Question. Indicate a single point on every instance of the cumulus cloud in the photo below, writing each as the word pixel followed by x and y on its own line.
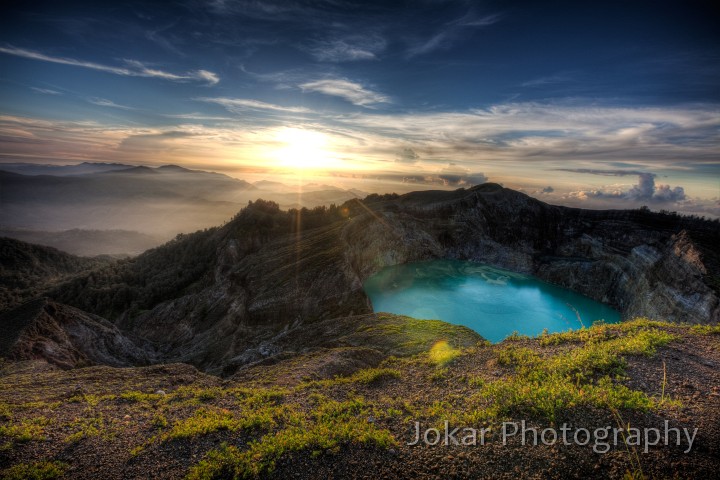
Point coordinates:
pixel 133 68
pixel 548 189
pixel 350 91
pixel 645 191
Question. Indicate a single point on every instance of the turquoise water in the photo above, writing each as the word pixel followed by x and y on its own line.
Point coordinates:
pixel 492 301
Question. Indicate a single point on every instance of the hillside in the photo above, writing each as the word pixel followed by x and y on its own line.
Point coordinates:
pixel 349 410
pixel 28 270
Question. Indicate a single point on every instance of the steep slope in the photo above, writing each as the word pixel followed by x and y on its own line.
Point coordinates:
pixel 28 270
pixel 66 337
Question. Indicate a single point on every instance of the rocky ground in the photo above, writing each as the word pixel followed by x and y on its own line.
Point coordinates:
pixel 342 402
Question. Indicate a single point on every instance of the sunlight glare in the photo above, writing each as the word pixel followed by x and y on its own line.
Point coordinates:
pixel 302 149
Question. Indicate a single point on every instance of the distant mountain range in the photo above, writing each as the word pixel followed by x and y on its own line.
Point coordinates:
pixel 62 170
pixel 157 202
pixel 89 242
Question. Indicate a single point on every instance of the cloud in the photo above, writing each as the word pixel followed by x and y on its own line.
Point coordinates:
pixel 195 116
pixel 210 77
pixel 102 102
pixel 436 42
pixel 594 171
pixel 451 33
pixel 407 155
pixel 473 20
pixel 548 189
pixel 350 91
pixel 46 91
pixel 134 68
pixel 347 49
pixel 454 175
pixel 556 133
pixel 645 191
pixel 236 105
pixel 452 179
pixel 549 80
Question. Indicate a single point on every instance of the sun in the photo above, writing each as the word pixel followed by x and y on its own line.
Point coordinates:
pixel 301 149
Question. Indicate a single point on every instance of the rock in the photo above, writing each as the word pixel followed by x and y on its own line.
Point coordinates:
pixel 68 337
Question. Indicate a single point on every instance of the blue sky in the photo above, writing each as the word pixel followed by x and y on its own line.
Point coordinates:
pixel 597 104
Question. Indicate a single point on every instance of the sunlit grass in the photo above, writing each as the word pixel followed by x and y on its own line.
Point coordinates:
pixel 42 470
pixel 442 353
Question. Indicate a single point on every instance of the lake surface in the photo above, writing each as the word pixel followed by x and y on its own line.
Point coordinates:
pixel 492 301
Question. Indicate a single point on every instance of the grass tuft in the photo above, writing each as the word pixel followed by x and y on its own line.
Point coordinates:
pixel 43 470
pixel 441 353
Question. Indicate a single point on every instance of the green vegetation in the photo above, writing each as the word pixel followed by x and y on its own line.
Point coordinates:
pixel 585 375
pixel 140 397
pixel 706 329
pixel 373 376
pixel 5 411
pixel 204 421
pixel 442 353
pixel 35 471
pixel 87 427
pixel 26 430
pixel 367 376
pixel 324 430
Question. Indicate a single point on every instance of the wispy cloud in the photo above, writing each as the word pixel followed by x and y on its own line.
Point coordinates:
pixel 607 173
pixel 348 49
pixel 196 116
pixel 450 33
pixel 436 42
pixel 103 102
pixel 46 91
pixel 473 20
pixel 554 132
pixel 350 91
pixel 548 80
pixel 242 104
pixel 133 68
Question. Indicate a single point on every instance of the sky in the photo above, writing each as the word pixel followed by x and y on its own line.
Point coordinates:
pixel 591 104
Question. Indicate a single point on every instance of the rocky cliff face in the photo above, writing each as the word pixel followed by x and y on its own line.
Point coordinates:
pixel 640 267
pixel 228 296
pixel 67 337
